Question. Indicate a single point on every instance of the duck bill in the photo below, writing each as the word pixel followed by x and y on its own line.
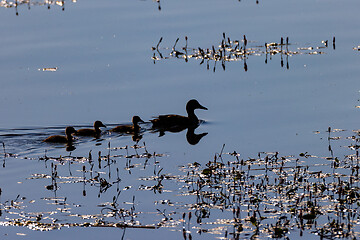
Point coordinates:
pixel 202 107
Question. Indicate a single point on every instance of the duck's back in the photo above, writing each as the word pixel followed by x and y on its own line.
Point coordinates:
pixel 170 120
pixel 86 132
pixel 123 129
pixel 56 139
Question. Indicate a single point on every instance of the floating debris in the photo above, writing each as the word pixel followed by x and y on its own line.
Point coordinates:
pixel 54 69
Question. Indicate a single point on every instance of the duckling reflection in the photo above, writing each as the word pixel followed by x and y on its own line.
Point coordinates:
pixel 70 147
pixel 136 137
pixel 88 132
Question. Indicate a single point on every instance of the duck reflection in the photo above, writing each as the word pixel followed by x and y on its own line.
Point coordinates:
pixel 191 137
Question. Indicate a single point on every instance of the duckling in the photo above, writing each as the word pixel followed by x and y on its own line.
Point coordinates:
pixel 134 128
pixel 91 132
pixel 62 139
pixel 173 121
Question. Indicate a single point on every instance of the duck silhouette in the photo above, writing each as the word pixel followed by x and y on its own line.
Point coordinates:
pixel 173 121
pixel 129 129
pixel 62 139
pixel 91 132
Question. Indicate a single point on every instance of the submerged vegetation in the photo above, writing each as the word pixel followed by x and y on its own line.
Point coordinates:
pixel 237 50
pixel 232 197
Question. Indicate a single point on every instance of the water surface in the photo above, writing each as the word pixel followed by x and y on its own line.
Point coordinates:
pixel 103 54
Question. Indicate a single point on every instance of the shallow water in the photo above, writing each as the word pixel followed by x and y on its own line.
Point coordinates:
pixel 102 52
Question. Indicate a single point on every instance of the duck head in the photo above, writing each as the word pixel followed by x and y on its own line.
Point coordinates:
pixel 98 124
pixel 136 120
pixel 194 104
pixel 69 131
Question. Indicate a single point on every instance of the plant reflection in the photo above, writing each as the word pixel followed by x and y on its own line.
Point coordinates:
pixel 159 4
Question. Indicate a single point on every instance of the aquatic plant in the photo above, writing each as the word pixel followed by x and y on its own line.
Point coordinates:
pixel 229 196
pixel 30 3
pixel 237 50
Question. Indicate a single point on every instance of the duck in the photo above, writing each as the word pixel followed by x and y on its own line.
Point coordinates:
pixel 132 129
pixel 175 121
pixel 62 139
pixel 91 132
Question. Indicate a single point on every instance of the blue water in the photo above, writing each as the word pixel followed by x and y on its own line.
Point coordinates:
pixel 103 54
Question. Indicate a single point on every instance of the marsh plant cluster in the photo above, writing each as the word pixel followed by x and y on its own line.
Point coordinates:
pixel 228 196
pixel 230 50
pixel 31 3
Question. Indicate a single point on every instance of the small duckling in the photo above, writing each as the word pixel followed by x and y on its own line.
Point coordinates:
pixel 91 132
pixel 173 120
pixel 134 128
pixel 62 139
